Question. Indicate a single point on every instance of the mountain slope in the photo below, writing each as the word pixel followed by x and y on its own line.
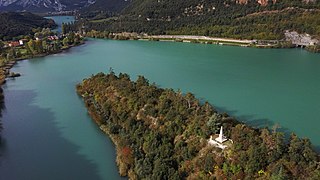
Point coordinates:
pixel 258 19
pixel 107 5
pixel 104 8
pixel 181 8
pixel 15 24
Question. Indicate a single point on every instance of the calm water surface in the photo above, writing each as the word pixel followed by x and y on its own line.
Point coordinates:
pixel 61 19
pixel 48 134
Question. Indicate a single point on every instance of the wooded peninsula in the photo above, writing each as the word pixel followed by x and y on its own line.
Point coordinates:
pixel 165 134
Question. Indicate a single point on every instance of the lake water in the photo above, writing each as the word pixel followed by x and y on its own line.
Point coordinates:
pixel 48 134
pixel 61 19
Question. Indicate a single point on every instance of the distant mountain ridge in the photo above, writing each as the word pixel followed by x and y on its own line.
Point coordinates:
pixel 129 5
pixel 63 5
pixel 43 5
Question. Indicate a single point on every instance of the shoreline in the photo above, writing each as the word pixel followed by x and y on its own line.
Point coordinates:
pixel 175 38
pixel 264 44
pixel 10 64
pixel 202 39
pixel 94 112
pixel 5 68
pixel 6 73
pixel 218 41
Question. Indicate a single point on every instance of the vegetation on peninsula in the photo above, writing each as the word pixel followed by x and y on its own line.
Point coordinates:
pixel 162 134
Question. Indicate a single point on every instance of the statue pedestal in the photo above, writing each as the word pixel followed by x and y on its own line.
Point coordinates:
pixel 216 143
pixel 221 139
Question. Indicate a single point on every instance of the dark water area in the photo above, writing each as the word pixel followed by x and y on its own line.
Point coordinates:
pixel 32 126
pixel 50 136
pixel 40 141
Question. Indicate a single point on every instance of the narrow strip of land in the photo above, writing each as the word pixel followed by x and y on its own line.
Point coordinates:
pixel 182 37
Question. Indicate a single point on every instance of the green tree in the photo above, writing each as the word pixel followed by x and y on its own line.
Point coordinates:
pixel 71 37
pixel 65 41
pixel 32 46
pixel 56 46
pixel 214 123
pixel 63 28
pixel 300 150
pixel 29 51
pixel 1 46
pixel 39 46
pixel 142 81
pixel 11 54
pixel 280 175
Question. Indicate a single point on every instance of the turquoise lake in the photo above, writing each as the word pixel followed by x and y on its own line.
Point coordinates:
pixel 61 19
pixel 49 135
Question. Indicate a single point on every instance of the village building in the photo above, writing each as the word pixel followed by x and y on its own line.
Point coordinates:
pixel 14 44
pixel 22 41
pixel 52 38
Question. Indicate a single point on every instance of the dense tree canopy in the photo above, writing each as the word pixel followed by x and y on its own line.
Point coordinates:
pixel 162 134
pixel 15 24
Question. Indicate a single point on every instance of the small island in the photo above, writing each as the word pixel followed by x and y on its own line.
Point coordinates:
pixel 165 134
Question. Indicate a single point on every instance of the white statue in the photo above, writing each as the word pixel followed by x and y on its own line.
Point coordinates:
pixel 221 137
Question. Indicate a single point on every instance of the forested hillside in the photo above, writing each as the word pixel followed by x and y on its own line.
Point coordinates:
pixel 104 8
pixel 15 24
pixel 162 134
pixel 222 18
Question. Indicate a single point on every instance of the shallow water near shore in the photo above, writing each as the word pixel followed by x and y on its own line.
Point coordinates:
pixel 49 135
